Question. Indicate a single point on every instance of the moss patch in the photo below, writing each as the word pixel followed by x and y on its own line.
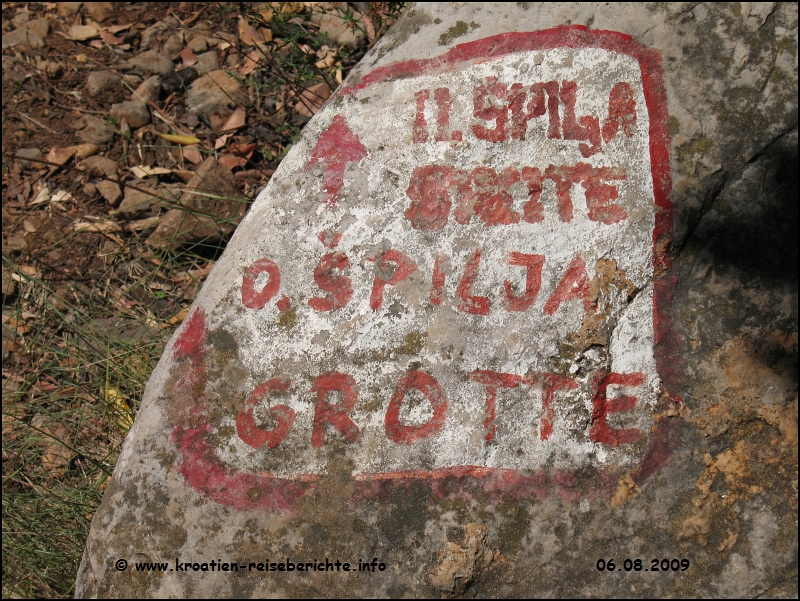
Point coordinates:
pixel 456 31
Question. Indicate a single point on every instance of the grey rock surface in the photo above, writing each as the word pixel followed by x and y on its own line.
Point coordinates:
pixel 99 11
pixel 32 34
pixel 98 82
pixel 174 44
pixel 95 130
pixel 207 62
pixel 29 153
pixel 110 191
pixel 520 304
pixel 148 90
pixel 135 112
pixel 100 164
pixel 151 61
pixel 144 197
pixel 216 92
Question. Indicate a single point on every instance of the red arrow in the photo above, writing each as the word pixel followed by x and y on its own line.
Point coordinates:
pixel 336 147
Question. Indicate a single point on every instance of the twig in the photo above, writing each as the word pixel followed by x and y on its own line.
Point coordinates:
pixel 34 121
pixel 77 110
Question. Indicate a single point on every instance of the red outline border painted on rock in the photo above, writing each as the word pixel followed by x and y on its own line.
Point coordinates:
pixel 204 472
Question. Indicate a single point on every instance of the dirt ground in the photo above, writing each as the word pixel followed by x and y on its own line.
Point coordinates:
pixel 116 118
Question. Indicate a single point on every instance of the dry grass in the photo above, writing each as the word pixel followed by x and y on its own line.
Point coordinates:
pixel 81 336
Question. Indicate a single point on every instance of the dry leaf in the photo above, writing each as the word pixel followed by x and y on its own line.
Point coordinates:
pixel 253 36
pixel 42 197
pixel 84 150
pixel 288 8
pixel 182 140
pixel 312 99
pixel 46 386
pixel 82 32
pixel 191 154
pixel 250 63
pixel 118 408
pixel 60 155
pixel 242 150
pixel 369 28
pixel 221 141
pixel 56 457
pixel 110 38
pixel 266 11
pixel 142 224
pixel 116 28
pixel 29 227
pixel 29 270
pixel 326 57
pixel 202 272
pixel 231 162
pixel 179 317
pixel 188 57
pixel 236 120
pixel 61 196
pixel 184 175
pixel 143 171
pixel 19 326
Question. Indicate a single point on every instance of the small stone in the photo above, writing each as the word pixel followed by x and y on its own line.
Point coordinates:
pixel 110 191
pixel 38 27
pixel 131 79
pixel 15 243
pixel 216 92
pixel 150 35
pixel 31 35
pixel 198 44
pixel 202 216
pixel 67 9
pixel 173 45
pixel 207 62
pixel 151 61
pixel 136 201
pixel 99 11
pixel 134 112
pixel 232 61
pixel 96 131
pixel 53 69
pixel 90 190
pixel 101 165
pixel 21 18
pixel 29 153
pixel 224 39
pixel 98 82
pixel 148 90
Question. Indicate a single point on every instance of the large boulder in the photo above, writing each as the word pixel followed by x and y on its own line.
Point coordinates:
pixel 517 316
